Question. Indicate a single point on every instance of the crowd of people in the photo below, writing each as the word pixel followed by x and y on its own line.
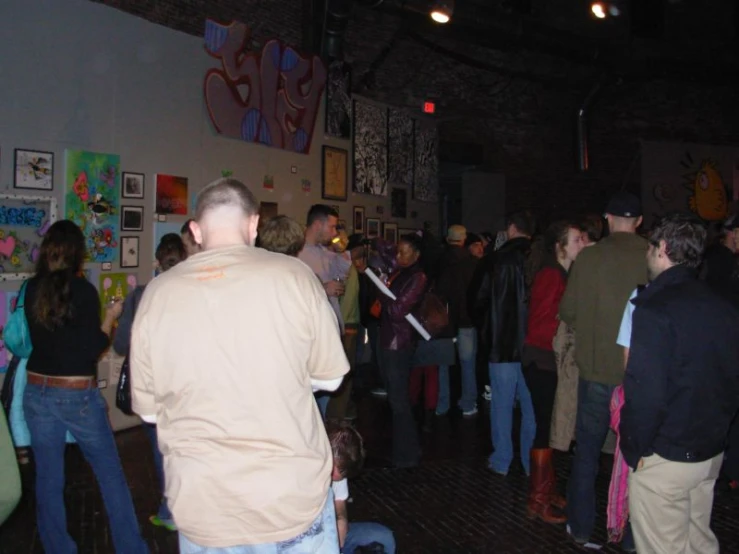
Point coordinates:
pixel 246 364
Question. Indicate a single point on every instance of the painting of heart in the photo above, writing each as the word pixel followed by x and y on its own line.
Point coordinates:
pixel 7 246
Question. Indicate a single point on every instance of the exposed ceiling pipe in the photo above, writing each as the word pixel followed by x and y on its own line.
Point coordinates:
pixel 583 160
pixel 336 19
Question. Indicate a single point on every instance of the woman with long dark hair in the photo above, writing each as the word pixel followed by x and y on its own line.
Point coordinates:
pixel 68 338
pixel 562 243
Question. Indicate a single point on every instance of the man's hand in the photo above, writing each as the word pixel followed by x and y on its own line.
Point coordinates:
pixel 334 288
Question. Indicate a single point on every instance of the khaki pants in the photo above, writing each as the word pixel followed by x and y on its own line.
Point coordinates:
pixel 670 506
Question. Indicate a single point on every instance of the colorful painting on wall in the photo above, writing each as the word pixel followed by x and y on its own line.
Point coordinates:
pixel 269 97
pixel 93 182
pixel 114 286
pixel 687 177
pixel 23 223
pixel 171 196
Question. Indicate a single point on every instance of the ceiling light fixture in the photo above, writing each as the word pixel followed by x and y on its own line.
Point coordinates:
pixel 598 9
pixel 442 10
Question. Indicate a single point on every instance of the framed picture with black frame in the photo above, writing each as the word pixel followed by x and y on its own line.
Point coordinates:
pixel 129 252
pixel 359 219
pixel 132 185
pixel 132 218
pixel 373 227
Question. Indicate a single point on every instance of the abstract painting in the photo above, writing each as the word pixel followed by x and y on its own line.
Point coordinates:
pixel 401 147
pixel 426 169
pixel 171 194
pixel 33 170
pixel 339 100
pixel 370 149
pixel 24 221
pixel 93 182
pixel 268 96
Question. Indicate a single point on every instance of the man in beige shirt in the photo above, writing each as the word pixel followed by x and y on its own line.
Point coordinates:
pixel 227 348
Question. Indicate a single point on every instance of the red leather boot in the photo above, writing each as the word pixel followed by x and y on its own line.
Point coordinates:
pixel 540 488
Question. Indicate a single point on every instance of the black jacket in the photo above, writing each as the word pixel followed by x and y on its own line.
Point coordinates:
pixel 455 277
pixel 681 386
pixel 499 301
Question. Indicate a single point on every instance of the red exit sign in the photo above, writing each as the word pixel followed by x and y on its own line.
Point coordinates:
pixel 429 107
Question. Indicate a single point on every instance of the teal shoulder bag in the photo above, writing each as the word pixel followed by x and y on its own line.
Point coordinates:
pixel 16 334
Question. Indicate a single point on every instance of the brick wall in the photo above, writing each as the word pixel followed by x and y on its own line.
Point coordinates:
pixel 519 105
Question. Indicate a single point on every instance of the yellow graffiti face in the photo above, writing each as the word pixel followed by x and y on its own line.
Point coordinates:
pixel 711 203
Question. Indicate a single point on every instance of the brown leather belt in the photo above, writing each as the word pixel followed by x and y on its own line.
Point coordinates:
pixel 77 383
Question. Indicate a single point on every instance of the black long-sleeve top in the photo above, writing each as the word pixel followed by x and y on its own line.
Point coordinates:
pixel 74 348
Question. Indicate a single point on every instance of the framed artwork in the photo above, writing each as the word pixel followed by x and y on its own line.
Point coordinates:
pixel 426 164
pixel 339 100
pixel 390 232
pixel 398 203
pixel 370 148
pixel 334 171
pixel 34 169
pixel 373 227
pixel 92 196
pixel 401 147
pixel 24 221
pixel 133 185
pixel 171 195
pixel 359 219
pixel 132 218
pixel 129 252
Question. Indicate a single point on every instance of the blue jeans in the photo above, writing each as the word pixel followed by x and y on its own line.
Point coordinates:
pixel 163 513
pixel 321 537
pixel 507 384
pixel 467 350
pixel 591 428
pixel 50 413
pixel 322 399
pixel 366 533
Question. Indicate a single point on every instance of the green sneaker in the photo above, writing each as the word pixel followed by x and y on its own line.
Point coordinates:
pixel 168 524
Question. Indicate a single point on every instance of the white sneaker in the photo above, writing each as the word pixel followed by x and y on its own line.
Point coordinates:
pixel 488 394
pixel 470 413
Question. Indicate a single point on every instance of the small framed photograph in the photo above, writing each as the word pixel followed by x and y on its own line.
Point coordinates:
pixel 132 218
pixel 359 219
pixel 133 185
pixel 129 252
pixel 390 232
pixel 373 227
pixel 34 169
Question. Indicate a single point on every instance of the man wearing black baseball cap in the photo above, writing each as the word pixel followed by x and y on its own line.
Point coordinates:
pixel 598 288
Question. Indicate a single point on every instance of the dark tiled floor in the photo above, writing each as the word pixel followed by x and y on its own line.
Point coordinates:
pixel 449 505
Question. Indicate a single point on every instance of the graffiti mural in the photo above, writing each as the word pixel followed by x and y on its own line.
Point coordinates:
pixel 269 97
pixel 426 169
pixel 687 177
pixel 401 133
pixel 339 100
pixel 23 223
pixel 93 197
pixel 370 149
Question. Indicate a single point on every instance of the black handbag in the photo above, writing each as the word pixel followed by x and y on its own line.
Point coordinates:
pixel 6 394
pixel 123 391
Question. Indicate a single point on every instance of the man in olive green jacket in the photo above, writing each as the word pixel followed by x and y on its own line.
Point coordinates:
pixel 598 288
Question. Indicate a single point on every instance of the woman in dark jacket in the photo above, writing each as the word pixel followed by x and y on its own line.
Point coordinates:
pixel 562 243
pixel 398 344
pixel 63 313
